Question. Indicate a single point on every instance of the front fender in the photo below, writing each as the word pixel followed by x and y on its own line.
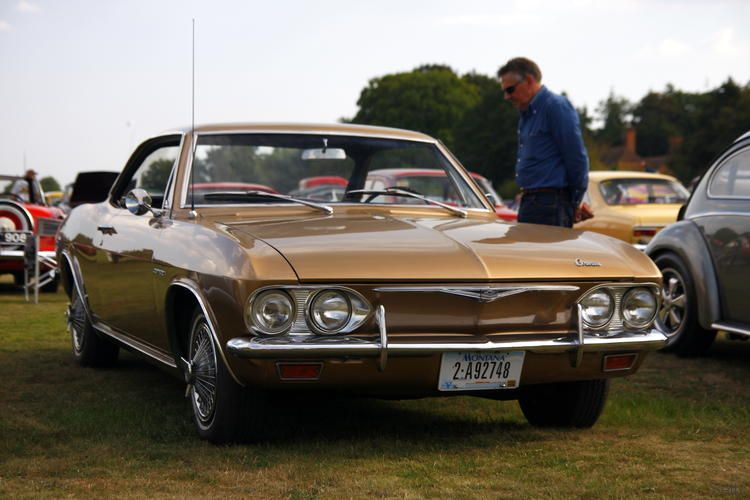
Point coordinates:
pixel 685 239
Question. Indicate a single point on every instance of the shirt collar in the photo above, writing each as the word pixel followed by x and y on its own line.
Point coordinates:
pixel 537 101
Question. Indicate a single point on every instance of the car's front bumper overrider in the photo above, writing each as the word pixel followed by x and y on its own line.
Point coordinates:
pixel 304 347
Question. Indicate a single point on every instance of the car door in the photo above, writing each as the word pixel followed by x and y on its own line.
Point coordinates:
pixel 126 242
pixel 725 223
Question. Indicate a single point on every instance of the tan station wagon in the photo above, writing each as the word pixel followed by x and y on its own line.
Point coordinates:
pixel 385 292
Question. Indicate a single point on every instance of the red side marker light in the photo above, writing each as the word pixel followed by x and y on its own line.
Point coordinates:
pixel 619 362
pixel 299 371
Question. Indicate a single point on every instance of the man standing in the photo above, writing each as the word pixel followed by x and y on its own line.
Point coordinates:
pixel 552 168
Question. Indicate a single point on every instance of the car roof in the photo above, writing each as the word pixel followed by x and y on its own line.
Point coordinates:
pixel 309 128
pixel 603 175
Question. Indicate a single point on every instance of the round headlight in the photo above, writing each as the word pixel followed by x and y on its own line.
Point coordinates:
pixel 638 307
pixel 330 311
pixel 597 308
pixel 272 312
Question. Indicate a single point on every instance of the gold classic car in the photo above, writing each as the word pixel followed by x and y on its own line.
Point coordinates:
pixel 386 292
pixel 632 206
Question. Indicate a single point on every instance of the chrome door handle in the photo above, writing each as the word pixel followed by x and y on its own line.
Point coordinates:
pixel 107 229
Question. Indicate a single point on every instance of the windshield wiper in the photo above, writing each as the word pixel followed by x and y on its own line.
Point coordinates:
pixel 409 194
pixel 264 194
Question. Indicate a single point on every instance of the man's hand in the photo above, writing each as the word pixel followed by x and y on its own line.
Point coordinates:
pixel 583 212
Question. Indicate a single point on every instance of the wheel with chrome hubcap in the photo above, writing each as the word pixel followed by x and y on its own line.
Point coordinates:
pixel 678 316
pixel 89 348
pixel 215 397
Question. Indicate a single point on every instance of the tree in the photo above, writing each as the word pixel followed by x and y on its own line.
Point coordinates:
pixel 49 184
pixel 614 113
pixel 431 99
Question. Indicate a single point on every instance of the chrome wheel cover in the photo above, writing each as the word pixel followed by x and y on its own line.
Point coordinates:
pixel 203 363
pixel 76 322
pixel 671 316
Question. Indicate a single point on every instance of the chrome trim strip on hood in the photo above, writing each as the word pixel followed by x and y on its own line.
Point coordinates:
pixel 483 294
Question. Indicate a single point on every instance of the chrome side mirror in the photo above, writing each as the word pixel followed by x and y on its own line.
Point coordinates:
pixel 138 202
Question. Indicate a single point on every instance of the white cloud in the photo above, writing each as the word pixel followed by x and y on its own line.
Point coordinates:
pixel 672 48
pixel 5 26
pixel 725 44
pixel 511 19
pixel 28 7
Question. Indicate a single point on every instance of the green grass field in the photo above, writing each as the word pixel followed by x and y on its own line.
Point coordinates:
pixel 680 427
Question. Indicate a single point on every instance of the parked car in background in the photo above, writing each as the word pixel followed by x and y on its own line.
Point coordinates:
pixel 705 257
pixel 632 206
pixel 22 205
pixel 434 184
pixel 250 291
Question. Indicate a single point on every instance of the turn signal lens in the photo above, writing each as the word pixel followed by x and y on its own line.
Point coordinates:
pixel 271 312
pixel 619 362
pixel 597 308
pixel 638 307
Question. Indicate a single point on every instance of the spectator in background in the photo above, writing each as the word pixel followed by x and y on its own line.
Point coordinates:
pixel 24 188
pixel 552 165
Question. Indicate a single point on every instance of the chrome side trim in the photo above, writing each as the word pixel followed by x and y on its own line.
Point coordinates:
pixel 189 285
pixel 484 294
pixel 106 330
pixel 731 329
pixel 136 345
pixel 302 348
pixel 715 214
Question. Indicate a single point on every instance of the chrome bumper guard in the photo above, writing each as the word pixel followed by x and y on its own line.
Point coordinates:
pixel 296 347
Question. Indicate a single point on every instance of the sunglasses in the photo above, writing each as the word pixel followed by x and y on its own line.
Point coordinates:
pixel 512 88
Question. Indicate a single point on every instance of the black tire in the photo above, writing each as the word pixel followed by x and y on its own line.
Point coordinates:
pixel 565 404
pixel 216 399
pixel 678 315
pixel 89 348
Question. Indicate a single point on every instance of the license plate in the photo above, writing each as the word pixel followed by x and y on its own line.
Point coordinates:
pixel 476 371
pixel 13 237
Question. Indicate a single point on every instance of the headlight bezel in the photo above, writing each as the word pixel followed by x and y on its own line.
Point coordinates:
pixel 617 322
pixel 301 296
pixel 251 321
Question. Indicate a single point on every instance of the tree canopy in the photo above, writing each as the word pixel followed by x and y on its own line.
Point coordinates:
pixel 468 114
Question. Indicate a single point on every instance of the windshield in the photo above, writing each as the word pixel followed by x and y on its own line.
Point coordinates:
pixel 323 168
pixel 642 191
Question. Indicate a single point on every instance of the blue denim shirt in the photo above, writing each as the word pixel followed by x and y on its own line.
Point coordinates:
pixel 551 153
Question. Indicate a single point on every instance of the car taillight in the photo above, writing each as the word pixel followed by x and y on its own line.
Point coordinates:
pixel 644 232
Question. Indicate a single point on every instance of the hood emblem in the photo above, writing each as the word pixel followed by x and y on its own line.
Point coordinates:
pixel 587 263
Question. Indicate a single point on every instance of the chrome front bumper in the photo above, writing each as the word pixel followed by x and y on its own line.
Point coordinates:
pixel 300 347
pixel 19 254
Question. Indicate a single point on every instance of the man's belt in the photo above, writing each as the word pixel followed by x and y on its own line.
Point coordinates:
pixel 545 190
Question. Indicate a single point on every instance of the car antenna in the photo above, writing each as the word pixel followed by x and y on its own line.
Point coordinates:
pixel 192 214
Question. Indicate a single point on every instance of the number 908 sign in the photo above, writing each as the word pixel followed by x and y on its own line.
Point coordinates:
pixel 13 238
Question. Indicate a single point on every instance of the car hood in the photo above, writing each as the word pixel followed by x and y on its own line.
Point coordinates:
pixel 373 247
pixel 650 214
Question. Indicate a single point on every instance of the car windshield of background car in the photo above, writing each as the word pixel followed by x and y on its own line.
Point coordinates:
pixel 642 191
pixel 319 168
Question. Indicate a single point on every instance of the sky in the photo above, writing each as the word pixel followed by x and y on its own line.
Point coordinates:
pixel 83 82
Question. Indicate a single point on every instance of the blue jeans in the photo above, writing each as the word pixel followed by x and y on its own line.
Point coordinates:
pixel 551 208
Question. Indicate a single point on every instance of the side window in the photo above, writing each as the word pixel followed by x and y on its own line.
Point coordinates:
pixel 732 179
pixel 153 173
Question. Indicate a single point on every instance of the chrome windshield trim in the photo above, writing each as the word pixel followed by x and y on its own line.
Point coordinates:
pixel 484 294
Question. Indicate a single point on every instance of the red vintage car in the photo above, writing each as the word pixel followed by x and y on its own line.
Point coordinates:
pixel 21 206
pixel 434 184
